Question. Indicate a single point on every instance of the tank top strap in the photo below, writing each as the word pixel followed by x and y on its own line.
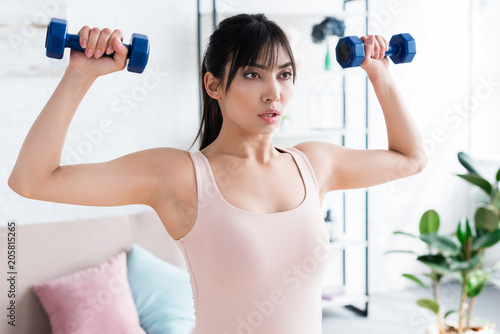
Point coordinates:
pixel 305 167
pixel 205 182
pixel 207 187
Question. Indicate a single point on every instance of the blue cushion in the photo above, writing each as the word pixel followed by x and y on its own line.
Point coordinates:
pixel 162 293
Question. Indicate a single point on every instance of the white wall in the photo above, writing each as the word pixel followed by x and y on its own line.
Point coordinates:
pixel 156 108
pixel 435 85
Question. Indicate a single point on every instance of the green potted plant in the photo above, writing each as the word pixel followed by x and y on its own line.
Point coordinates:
pixel 460 256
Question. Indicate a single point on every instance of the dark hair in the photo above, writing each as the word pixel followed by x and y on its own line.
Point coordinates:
pixel 239 40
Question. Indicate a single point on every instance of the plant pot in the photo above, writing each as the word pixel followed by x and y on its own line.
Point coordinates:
pixel 486 329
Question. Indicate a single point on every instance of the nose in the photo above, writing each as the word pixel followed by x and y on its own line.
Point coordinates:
pixel 271 91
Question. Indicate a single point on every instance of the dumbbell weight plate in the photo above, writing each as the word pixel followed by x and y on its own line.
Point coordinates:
pixel 347 46
pixel 55 41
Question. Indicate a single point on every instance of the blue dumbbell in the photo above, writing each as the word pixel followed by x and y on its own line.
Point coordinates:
pixel 351 51
pixel 58 38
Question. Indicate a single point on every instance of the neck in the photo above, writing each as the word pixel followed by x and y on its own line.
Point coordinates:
pixel 238 142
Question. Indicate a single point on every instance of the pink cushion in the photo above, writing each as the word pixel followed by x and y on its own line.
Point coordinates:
pixel 94 300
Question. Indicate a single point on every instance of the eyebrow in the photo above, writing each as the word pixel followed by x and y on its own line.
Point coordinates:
pixel 266 67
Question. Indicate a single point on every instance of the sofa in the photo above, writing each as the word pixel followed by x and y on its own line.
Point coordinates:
pixel 51 250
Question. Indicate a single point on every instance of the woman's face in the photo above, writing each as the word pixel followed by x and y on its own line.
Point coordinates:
pixel 256 90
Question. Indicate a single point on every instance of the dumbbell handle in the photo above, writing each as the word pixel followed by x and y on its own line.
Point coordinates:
pixel 394 49
pixel 73 42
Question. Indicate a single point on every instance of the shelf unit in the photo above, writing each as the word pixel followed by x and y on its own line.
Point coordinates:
pixel 208 17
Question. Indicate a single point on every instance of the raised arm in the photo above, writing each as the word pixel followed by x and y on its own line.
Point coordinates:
pixel 338 167
pixel 38 174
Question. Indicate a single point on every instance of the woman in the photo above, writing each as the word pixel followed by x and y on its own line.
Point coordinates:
pixel 245 214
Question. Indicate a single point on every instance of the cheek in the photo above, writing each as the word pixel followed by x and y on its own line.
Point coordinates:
pixel 242 94
pixel 287 92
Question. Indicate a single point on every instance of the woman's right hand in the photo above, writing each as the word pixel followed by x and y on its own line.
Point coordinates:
pixel 96 42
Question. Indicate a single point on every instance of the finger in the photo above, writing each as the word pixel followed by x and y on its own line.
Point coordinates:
pixel 386 44
pixel 121 51
pixel 102 42
pixel 382 46
pixel 92 41
pixel 363 38
pixel 369 46
pixel 376 48
pixel 84 36
pixel 116 33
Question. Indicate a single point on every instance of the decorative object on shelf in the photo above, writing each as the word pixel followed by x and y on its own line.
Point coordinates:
pixel 328 58
pixel 461 256
pixel 332 226
pixel 325 93
pixel 330 26
pixel 329 225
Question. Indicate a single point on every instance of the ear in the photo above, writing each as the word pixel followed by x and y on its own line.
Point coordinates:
pixel 212 86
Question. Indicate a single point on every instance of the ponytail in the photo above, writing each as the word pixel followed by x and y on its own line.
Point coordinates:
pixel 211 115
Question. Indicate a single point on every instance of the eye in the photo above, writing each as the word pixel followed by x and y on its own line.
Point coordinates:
pixel 252 75
pixel 287 75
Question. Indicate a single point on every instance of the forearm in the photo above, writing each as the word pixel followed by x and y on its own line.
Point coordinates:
pixel 402 132
pixel 41 151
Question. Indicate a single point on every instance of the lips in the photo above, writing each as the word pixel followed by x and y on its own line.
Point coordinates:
pixel 271 116
pixel 270 113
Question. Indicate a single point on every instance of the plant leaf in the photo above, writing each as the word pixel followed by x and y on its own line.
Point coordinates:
pixel 449 312
pixel 471 230
pixel 437 263
pixel 486 218
pixel 495 202
pixel 477 281
pixel 433 275
pixel 416 280
pixel 404 233
pixel 486 240
pixel 498 176
pixel 464 230
pixel 429 223
pixel 495 267
pixel 429 304
pixel 444 243
pixel 469 265
pixel 477 180
pixel 494 281
pixel 467 162
pixel 400 251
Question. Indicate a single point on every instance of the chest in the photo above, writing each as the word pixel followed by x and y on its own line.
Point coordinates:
pixel 268 189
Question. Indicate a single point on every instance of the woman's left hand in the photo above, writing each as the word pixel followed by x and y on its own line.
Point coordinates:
pixel 375 60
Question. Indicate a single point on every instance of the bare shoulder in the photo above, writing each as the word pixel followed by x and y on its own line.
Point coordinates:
pixel 174 170
pixel 322 158
pixel 170 160
pixel 319 153
pixel 316 150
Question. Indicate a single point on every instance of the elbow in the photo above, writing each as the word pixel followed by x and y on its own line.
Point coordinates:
pixel 418 162
pixel 411 164
pixel 16 185
pixel 25 186
pixel 420 166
